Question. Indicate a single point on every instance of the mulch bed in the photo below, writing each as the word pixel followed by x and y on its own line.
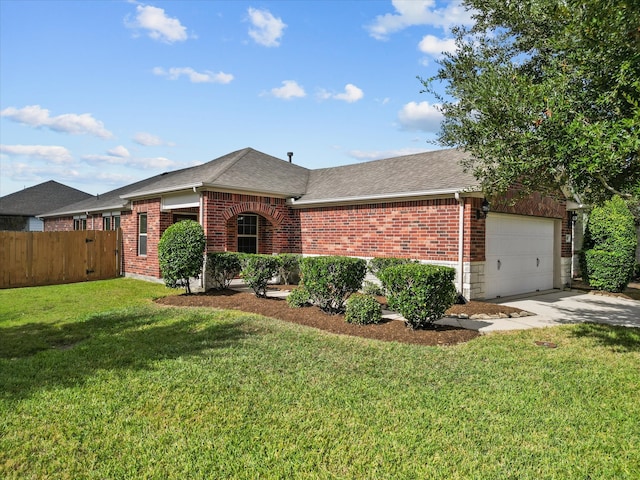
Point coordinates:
pixel 387 330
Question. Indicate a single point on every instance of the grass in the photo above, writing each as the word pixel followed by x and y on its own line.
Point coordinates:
pixel 97 382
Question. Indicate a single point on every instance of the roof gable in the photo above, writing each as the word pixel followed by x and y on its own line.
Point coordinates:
pixel 246 170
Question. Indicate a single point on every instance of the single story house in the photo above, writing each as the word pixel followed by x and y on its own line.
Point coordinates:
pixel 420 206
pixel 19 210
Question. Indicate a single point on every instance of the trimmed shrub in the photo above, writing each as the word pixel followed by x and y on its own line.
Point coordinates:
pixel 289 267
pixel 257 270
pixel 420 293
pixel 377 264
pixel 298 298
pixel 181 253
pixel 222 267
pixel 608 258
pixel 330 280
pixel 362 310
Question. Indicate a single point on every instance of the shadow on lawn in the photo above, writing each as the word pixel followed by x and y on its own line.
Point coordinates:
pixel 42 356
pixel 621 339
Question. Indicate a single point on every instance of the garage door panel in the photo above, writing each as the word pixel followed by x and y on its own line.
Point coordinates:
pixel 519 254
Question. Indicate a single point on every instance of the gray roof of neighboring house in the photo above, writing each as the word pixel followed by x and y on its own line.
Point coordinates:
pixel 34 200
pixel 250 171
pixel 426 173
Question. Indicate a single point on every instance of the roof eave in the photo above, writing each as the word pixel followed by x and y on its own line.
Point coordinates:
pixel 206 186
pixel 160 191
pixel 467 191
pixel 102 208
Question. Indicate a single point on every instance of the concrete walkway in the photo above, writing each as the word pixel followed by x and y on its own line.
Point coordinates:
pixel 558 308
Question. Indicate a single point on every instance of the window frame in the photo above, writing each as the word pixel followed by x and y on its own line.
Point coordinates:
pixel 142 245
pixel 112 218
pixel 79 223
pixel 245 235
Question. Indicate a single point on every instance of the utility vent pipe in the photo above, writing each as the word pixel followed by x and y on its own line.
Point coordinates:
pixel 290 155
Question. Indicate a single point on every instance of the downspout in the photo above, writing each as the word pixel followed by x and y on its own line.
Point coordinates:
pixel 460 242
pixel 201 221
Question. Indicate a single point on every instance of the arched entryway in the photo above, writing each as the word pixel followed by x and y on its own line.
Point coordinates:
pixel 250 228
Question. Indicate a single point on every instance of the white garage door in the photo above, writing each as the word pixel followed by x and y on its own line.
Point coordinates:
pixel 519 255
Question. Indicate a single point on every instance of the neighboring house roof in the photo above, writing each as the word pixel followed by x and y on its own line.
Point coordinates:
pixel 427 173
pixel 251 171
pixel 109 201
pixel 34 200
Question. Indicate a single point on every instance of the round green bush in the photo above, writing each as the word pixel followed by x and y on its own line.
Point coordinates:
pixel 257 270
pixel 181 253
pixel 420 293
pixel 363 310
pixel 330 280
pixel 222 268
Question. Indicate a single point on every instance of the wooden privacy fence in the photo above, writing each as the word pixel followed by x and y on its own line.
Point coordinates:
pixel 50 258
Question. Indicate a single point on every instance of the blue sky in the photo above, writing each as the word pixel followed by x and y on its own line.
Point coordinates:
pixel 98 94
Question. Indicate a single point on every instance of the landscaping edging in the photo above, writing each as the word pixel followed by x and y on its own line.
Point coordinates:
pixel 485 316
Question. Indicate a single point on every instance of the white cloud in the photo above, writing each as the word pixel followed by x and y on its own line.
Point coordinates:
pixel 434 46
pixel 50 153
pixel 365 156
pixel 119 151
pixel 420 116
pixel 102 159
pixel 351 94
pixel 290 89
pixel 158 25
pixel 194 77
pixel 410 13
pixel 267 29
pixel 147 139
pixel 153 163
pixel 36 116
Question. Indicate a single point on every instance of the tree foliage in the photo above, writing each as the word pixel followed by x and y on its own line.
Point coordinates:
pixel 180 253
pixel 608 259
pixel 546 93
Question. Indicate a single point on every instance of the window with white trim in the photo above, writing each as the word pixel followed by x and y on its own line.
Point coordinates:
pixel 111 220
pixel 248 233
pixel 142 234
pixel 80 222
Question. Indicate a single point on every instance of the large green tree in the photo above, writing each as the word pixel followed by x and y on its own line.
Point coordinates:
pixel 546 93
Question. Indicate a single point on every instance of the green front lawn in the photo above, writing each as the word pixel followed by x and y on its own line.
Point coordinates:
pixel 98 382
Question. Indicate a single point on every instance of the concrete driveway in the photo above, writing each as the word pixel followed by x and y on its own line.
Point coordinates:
pixel 559 308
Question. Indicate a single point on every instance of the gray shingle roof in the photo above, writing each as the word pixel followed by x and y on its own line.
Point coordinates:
pixel 251 171
pixel 45 196
pixel 246 170
pixel 420 174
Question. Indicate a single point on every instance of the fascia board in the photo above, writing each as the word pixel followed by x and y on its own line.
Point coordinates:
pixel 381 198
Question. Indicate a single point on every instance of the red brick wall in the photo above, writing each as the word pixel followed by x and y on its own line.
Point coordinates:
pixel 279 230
pixel 61 224
pixel 157 222
pixel 425 229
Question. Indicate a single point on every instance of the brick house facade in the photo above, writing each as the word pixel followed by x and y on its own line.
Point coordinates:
pixel 410 215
